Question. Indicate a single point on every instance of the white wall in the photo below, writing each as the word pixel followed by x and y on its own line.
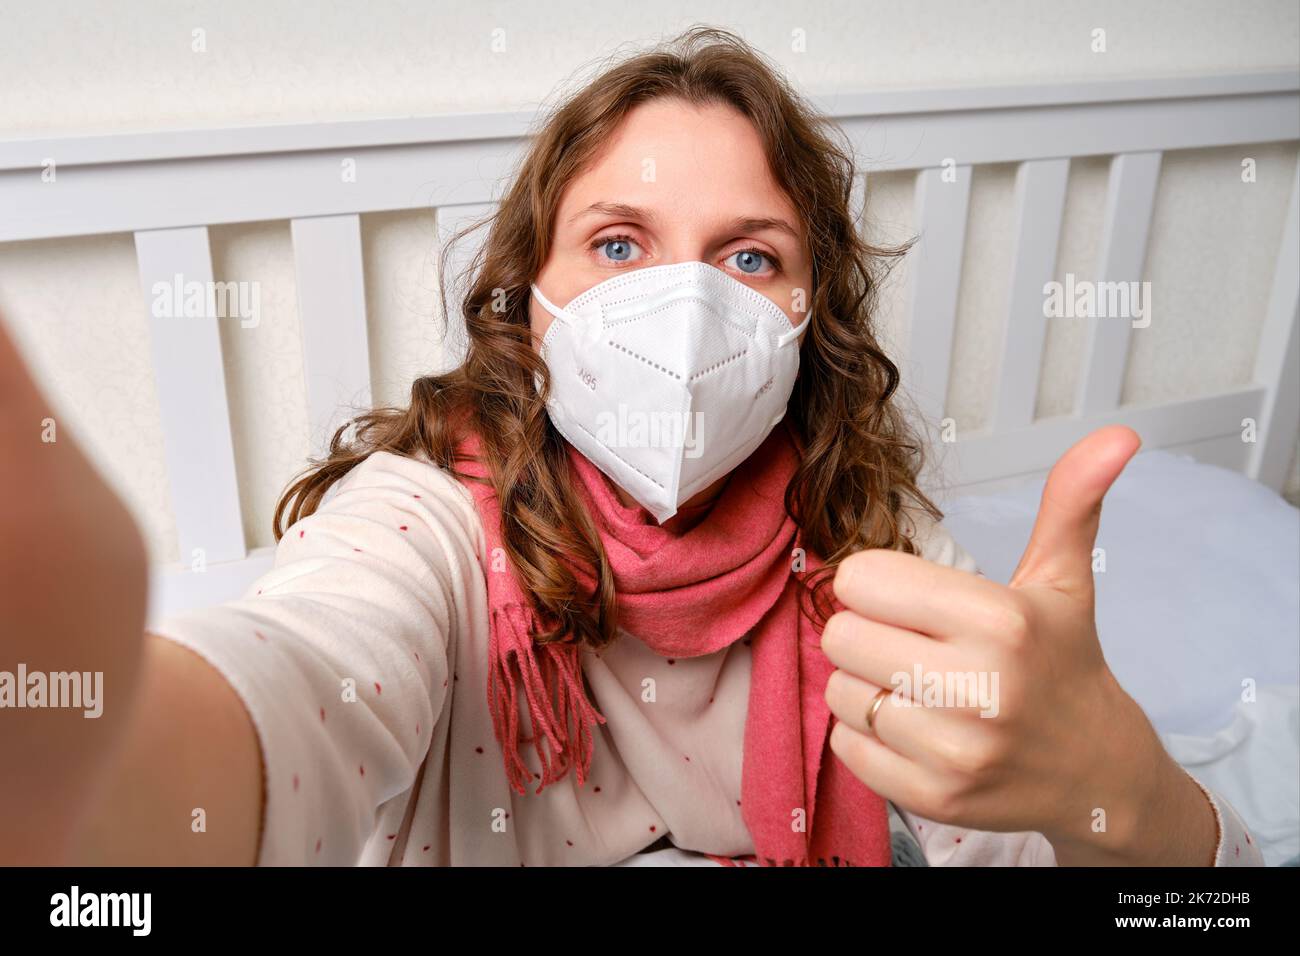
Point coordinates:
pixel 76 64
pixel 74 67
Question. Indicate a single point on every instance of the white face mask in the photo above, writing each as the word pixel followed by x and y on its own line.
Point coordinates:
pixel 668 377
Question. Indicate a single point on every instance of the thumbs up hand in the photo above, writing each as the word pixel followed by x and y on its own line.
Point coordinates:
pixel 997 710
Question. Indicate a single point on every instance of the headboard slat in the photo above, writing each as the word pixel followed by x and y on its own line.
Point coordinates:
pixel 175 268
pixel 332 307
pixel 1040 204
pixel 1277 362
pixel 1130 199
pixel 941 208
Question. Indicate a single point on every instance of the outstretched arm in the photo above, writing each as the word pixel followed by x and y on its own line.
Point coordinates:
pixel 170 735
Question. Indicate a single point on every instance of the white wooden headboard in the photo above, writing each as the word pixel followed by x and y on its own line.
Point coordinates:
pixel 167 188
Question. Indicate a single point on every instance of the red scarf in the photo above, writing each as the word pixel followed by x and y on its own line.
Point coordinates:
pixel 684 593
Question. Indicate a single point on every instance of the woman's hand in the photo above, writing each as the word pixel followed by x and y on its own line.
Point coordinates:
pixel 1003 714
pixel 73 583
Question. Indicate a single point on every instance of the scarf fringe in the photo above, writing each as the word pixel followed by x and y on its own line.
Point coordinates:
pixel 769 861
pixel 558 707
pixel 807 861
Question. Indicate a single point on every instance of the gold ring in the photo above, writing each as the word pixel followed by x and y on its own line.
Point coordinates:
pixel 874 707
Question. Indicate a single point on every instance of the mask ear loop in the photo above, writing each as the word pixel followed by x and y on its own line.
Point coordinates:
pixel 551 307
pixel 565 317
pixel 788 337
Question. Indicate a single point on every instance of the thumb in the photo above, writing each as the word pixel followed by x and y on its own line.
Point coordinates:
pixel 1059 553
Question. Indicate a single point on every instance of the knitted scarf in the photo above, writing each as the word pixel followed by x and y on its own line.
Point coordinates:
pixel 726 574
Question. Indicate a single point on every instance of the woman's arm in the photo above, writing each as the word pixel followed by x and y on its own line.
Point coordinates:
pixel 343 655
pixel 116 781
pixel 185 786
pixel 299 712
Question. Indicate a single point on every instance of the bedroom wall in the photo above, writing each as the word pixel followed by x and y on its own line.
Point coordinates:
pixel 77 67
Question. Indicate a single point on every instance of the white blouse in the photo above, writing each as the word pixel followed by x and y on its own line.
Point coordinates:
pixel 361 658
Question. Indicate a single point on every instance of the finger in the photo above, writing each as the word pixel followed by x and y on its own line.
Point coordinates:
pixel 1059 553
pixel 944 738
pixel 889 774
pixel 909 592
pixel 884 654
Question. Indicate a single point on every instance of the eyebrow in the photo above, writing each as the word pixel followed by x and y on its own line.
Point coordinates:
pixel 739 224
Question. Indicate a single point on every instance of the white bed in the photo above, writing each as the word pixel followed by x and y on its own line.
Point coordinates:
pixel 1200 589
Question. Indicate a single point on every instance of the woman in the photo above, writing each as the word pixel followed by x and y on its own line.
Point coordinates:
pixel 647 565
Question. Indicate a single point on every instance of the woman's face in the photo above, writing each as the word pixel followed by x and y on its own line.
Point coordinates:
pixel 677 183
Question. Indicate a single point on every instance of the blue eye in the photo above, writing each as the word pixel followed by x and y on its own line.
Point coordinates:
pixel 618 250
pixel 750 261
pixel 615 248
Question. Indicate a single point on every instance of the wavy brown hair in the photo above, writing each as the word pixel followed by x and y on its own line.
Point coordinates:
pixel 860 462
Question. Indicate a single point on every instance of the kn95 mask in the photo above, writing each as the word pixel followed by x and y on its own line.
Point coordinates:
pixel 668 377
